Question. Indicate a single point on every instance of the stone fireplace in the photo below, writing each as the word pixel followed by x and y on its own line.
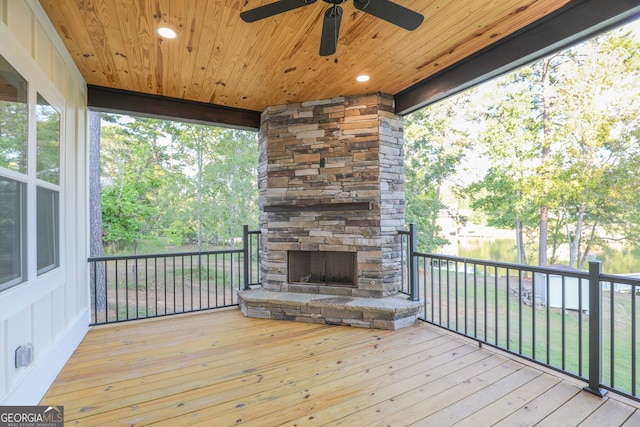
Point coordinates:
pixel 331 193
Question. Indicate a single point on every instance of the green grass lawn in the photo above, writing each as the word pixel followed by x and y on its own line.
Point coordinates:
pixel 488 309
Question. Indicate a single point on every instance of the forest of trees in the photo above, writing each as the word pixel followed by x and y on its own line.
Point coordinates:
pixel 184 183
pixel 550 151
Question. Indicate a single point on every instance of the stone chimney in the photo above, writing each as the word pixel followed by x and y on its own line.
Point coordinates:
pixel 331 194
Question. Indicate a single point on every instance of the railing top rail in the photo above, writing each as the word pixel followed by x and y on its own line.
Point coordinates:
pixel 164 255
pixel 512 266
pixel 620 279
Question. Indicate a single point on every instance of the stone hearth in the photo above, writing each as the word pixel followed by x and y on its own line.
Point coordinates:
pixel 331 181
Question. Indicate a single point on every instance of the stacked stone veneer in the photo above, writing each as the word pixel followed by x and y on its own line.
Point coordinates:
pixel 331 178
pixel 343 152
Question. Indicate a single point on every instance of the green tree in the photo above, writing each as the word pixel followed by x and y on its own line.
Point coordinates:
pixel 215 189
pixel 563 135
pixel 188 183
pixel 596 194
pixel 131 174
pixel 436 144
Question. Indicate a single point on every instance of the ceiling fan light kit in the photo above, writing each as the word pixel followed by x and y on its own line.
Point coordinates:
pixel 383 9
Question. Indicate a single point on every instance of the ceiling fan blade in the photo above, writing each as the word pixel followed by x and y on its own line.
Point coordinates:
pixel 330 30
pixel 272 9
pixel 391 12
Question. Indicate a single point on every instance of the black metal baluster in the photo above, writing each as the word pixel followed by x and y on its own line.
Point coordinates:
pixel 612 325
pixel 508 325
pixel 533 316
pixel 548 331
pixel 495 303
pixel 485 304
pixel 564 325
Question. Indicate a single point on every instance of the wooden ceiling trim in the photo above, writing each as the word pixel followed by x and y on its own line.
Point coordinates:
pixel 575 22
pixel 145 105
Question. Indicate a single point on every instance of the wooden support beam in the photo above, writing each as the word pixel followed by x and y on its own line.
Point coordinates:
pixel 579 20
pixel 110 100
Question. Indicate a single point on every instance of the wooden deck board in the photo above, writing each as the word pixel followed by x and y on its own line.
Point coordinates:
pixel 540 407
pixel 463 408
pixel 611 413
pixel 220 368
pixel 503 407
pixel 574 411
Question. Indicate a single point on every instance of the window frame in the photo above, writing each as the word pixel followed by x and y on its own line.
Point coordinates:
pixel 54 188
pixel 37 85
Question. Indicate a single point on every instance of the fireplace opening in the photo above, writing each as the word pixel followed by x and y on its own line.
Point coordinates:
pixel 322 267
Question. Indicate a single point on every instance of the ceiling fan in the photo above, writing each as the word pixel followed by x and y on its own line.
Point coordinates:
pixel 383 9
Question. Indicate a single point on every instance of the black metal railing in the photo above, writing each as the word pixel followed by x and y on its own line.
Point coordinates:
pixel 251 253
pixel 140 286
pixel 581 323
pixel 409 245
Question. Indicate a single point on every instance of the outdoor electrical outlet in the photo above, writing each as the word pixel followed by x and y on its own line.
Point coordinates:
pixel 24 355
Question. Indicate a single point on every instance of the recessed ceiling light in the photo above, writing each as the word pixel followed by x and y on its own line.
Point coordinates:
pixel 362 78
pixel 167 32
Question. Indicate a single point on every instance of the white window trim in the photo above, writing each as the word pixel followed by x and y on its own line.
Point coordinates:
pixel 37 83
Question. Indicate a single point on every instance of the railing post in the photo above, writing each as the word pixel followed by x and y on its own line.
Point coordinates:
pixel 413 262
pixel 246 255
pixel 595 330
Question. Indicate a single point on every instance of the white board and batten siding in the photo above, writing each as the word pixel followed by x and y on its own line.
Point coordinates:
pixel 49 311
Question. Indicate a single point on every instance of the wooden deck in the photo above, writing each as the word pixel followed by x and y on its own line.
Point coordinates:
pixel 221 369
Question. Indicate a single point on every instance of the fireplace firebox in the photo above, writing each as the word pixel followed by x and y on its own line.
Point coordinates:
pixel 322 267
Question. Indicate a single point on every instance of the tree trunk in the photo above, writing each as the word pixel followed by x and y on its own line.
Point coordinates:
pixel 199 191
pixel 522 253
pixel 544 209
pixel 574 243
pixel 434 214
pixel 544 233
pixel 585 256
pixel 98 285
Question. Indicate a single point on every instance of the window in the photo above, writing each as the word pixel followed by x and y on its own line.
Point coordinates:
pixel 13 162
pixel 12 230
pixel 48 142
pixel 47 170
pixel 13 119
pixel 29 166
pixel 47 230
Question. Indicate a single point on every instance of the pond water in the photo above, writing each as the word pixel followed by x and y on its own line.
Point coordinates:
pixel 613 261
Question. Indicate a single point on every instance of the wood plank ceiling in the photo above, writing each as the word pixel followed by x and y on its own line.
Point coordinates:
pixel 219 59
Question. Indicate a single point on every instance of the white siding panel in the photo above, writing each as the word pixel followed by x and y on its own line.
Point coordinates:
pixel 43 50
pixel 70 298
pixel 42 331
pixel 4 384
pixel 59 73
pixel 18 333
pixel 81 189
pixel 59 315
pixel 20 22
pixel 49 311
pixel 70 225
